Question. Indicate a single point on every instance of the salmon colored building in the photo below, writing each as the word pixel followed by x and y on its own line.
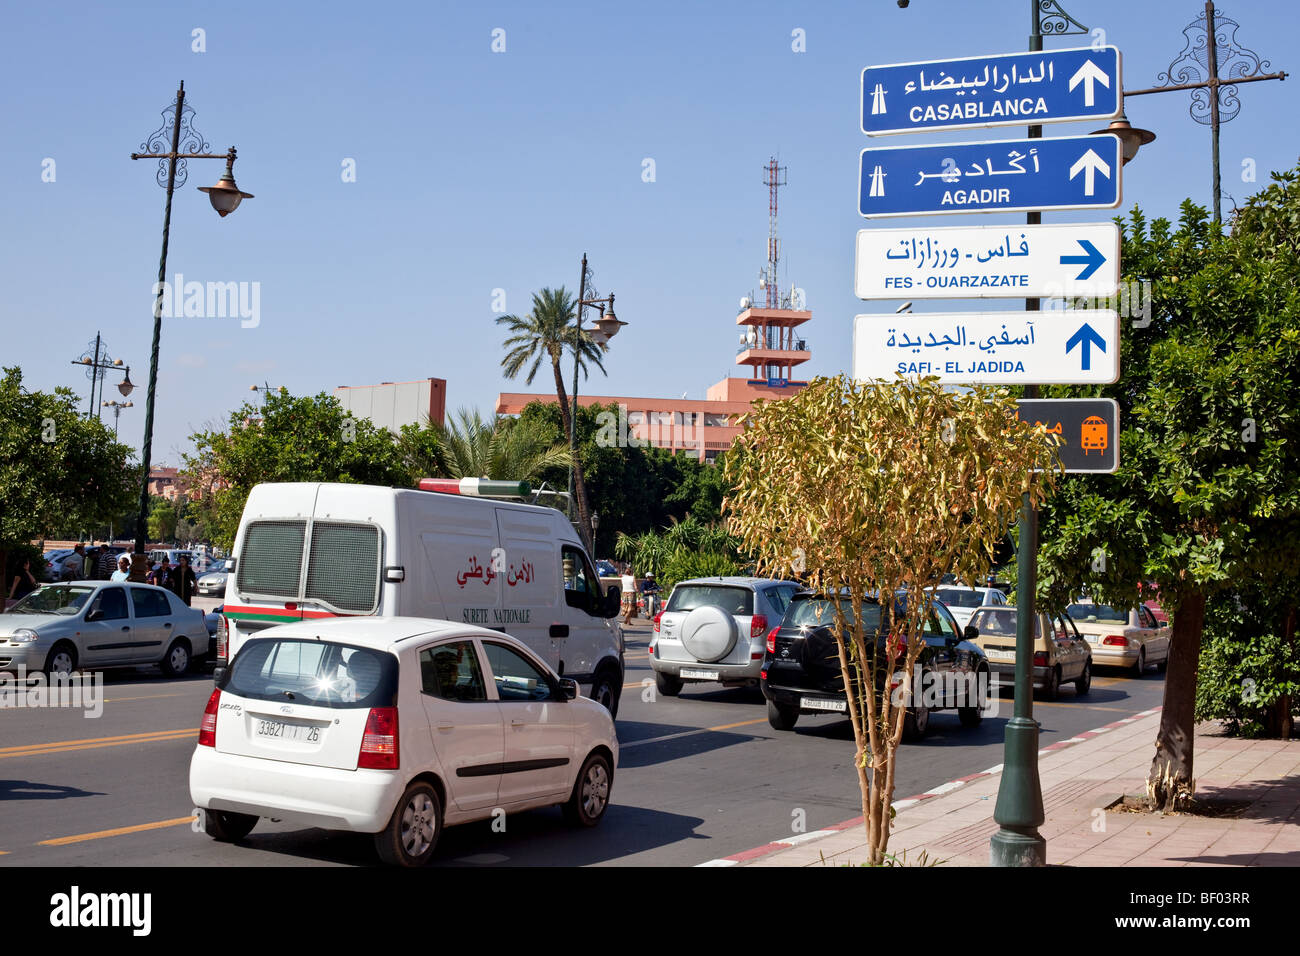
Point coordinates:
pixel 770 350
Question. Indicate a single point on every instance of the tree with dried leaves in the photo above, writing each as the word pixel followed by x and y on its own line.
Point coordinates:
pixel 875 488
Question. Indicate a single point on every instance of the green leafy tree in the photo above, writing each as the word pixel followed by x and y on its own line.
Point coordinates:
pixel 882 488
pixel 289 438
pixel 470 446
pixel 58 470
pixel 546 333
pixel 1207 496
pixel 162 522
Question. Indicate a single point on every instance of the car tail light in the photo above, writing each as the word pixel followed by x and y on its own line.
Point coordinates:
pixel 1040 658
pixel 379 742
pixel 208 727
pixel 1115 641
pixel 757 626
pixel 657 617
pixel 771 639
pixel 223 638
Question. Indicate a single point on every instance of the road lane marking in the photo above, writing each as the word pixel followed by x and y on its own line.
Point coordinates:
pixel 94 743
pixel 118 700
pixel 690 733
pixel 118 831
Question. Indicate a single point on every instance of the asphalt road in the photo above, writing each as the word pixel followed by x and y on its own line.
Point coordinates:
pixel 701 776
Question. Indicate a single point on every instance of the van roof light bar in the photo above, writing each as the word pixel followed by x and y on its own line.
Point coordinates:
pixel 477 487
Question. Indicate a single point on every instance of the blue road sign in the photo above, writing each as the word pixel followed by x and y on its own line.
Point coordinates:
pixel 1010 89
pixel 1010 175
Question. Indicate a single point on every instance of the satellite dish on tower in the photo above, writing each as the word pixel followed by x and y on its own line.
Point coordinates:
pixel 746 302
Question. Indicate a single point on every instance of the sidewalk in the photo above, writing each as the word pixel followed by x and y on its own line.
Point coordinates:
pixel 1080 778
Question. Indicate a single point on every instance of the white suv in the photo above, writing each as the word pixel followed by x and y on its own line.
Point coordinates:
pixel 714 629
pixel 395 727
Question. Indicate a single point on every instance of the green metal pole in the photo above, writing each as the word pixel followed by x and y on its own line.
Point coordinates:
pixel 1019 810
pixel 142 520
pixel 573 408
pixel 1212 51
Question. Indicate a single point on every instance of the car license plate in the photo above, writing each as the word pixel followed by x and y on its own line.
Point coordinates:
pixel 1092 638
pixel 819 703
pixel 282 731
pixel 996 655
pixel 698 674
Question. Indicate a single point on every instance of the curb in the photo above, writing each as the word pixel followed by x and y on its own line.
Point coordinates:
pixel 776 846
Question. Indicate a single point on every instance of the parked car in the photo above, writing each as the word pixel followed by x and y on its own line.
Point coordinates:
pixel 54 563
pixel 395 727
pixel 1132 638
pixel 1061 655
pixel 712 629
pixel 801 666
pixel 212 582
pixel 962 601
pixel 59 628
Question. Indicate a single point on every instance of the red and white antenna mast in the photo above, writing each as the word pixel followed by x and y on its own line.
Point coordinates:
pixel 767 277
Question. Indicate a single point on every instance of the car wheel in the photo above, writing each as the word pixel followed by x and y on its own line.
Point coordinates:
pixel 1140 667
pixel 781 718
pixel 226 826
pixel 1085 679
pixel 1053 688
pixel 668 685
pixel 177 659
pixel 605 689
pixel 974 716
pixel 62 659
pixel 412 832
pixel 916 722
pixel 590 797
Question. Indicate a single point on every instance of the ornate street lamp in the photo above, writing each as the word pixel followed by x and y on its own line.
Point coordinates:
pixel 225 197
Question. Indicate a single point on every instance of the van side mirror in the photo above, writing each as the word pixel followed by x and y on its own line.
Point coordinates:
pixel 568 689
pixel 613 601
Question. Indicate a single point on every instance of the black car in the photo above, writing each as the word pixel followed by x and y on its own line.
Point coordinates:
pixel 801 669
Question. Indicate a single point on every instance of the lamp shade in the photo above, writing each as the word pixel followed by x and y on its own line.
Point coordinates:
pixel 225 196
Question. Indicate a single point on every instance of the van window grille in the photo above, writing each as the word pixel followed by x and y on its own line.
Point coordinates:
pixel 270 561
pixel 343 571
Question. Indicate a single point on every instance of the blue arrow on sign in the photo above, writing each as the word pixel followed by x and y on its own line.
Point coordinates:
pixel 1091 262
pixel 1085 338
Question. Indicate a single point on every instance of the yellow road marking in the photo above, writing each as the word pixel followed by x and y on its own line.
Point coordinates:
pixel 118 831
pixel 743 723
pixel 94 743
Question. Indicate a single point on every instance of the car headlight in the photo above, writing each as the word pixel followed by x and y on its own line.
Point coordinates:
pixel 24 635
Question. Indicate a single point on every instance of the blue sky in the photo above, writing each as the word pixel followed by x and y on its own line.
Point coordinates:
pixel 478 171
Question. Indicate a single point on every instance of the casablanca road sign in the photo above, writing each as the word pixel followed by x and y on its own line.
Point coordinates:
pixel 1009 175
pixel 1089 428
pixel 1009 89
pixel 1075 347
pixel 1056 261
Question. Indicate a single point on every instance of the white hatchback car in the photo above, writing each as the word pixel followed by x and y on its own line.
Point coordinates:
pixel 395 727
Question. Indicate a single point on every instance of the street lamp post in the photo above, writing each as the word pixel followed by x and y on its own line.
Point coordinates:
pixel 97 362
pixel 117 411
pixel 607 327
pixel 225 197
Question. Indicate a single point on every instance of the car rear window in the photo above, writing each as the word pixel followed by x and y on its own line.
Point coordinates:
pixel 319 673
pixel 733 600
pixel 996 623
pixel 960 597
pixel 1097 614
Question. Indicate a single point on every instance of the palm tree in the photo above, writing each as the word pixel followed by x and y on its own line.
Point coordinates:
pixel 470 446
pixel 547 332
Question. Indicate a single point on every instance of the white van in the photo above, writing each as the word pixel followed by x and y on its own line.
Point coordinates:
pixel 315 550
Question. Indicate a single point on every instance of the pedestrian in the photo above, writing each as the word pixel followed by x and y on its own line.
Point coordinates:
pixel 629 594
pixel 123 572
pixel 162 572
pixel 106 566
pixel 73 566
pixel 88 559
pixel 24 583
pixel 182 582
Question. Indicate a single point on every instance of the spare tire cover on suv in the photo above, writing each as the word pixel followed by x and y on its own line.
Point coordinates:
pixel 709 633
pixel 821 653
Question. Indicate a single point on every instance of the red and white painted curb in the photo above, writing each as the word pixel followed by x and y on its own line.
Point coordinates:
pixel 785 843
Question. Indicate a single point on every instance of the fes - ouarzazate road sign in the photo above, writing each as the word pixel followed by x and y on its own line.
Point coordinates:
pixel 1005 89
pixel 1055 261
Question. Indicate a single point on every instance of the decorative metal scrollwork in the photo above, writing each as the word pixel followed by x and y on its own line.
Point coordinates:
pixel 160 141
pixel 1056 22
pixel 1193 66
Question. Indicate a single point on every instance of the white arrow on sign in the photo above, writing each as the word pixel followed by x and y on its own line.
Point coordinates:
pixel 1086 74
pixel 1091 164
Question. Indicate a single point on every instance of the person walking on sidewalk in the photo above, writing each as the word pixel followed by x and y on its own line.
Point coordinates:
pixel 629 594
pixel 182 581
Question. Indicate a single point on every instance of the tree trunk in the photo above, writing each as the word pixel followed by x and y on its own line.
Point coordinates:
pixel 1279 716
pixel 1170 783
pixel 579 486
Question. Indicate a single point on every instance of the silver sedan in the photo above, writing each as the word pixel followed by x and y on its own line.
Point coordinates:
pixel 59 628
